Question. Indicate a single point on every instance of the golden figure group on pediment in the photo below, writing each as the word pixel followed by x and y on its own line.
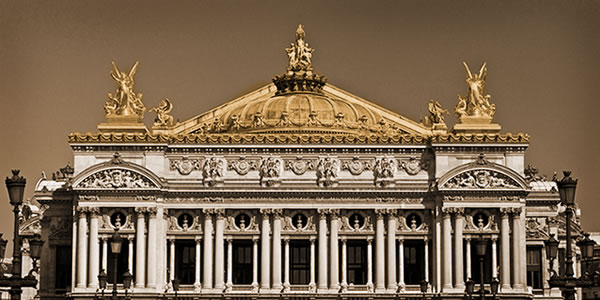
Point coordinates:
pixel 299 53
pixel 476 103
pixel 125 101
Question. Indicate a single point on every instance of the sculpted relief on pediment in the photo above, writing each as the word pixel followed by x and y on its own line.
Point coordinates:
pixel 481 179
pixel 116 178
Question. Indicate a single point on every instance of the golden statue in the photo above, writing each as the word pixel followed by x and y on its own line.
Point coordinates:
pixel 476 103
pixel 299 53
pixel 436 113
pixel 163 119
pixel 125 102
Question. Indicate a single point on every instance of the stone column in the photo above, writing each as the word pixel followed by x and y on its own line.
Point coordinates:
pixel 459 278
pixel 130 258
pixel 334 251
pixel 197 284
pixel 207 282
pixel 494 258
pixel 229 283
pixel 286 270
pixel 219 250
pixel 74 250
pixel 94 248
pixel 105 254
pixel 171 259
pixel 401 283
pixel 380 252
pixel 312 283
pixel 426 255
pixel 140 247
pixel 505 249
pixel 254 264
pixel 322 250
pixel 370 264
pixel 265 253
pixel 277 249
pixel 153 236
pixel 392 284
pixel 447 255
pixel 82 250
pixel 437 251
pixel 517 259
pixel 344 283
pixel 468 257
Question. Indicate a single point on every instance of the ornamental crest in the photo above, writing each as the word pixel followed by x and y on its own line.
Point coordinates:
pixel 270 170
pixel 242 166
pixel 299 166
pixel 116 178
pixel 384 171
pixel 327 172
pixel 356 166
pixel 185 166
pixel 481 179
pixel 213 170
pixel 412 166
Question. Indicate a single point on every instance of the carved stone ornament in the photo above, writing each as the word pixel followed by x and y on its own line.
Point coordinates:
pixel 476 102
pixel 60 228
pixel 411 166
pixel 327 172
pixel 299 166
pixel 269 171
pixel 383 172
pixel 356 166
pixel 185 166
pixel 116 178
pixel 213 170
pixel 125 101
pixel 536 229
pixel 242 166
pixel 481 179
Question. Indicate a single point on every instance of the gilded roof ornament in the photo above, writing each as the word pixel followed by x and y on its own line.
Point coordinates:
pixel 125 101
pixel 299 53
pixel 163 119
pixel 435 119
pixel 474 111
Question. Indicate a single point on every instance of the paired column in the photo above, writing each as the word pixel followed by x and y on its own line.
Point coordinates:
pixel 334 250
pixel 458 248
pixel 219 250
pixel 392 284
pixel 265 253
pixel 197 284
pixel 208 250
pixel 94 248
pixel 322 250
pixel 82 243
pixel 140 247
pixel 505 248
pixel 152 247
pixel 517 259
pixel 277 249
pixel 447 251
pixel 380 251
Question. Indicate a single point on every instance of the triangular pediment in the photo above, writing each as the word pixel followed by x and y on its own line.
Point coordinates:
pixel 334 112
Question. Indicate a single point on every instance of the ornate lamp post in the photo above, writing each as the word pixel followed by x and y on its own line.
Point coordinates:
pixel 115 247
pixel 16 187
pixel 568 282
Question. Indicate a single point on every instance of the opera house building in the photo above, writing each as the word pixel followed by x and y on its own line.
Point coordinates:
pixel 297 190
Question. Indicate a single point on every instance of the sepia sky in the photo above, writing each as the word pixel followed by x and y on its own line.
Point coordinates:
pixel 543 67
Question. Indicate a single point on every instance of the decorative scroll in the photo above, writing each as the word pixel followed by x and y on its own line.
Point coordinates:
pixel 481 179
pixel 327 172
pixel 242 166
pixel 384 171
pixel 116 178
pixel 185 166
pixel 270 170
pixel 213 170
pixel 299 166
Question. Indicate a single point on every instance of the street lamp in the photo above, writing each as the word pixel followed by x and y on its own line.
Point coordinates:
pixel 16 187
pixel 567 282
pixel 35 252
pixel 115 247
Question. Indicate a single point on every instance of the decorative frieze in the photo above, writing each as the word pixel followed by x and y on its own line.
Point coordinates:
pixel 356 166
pixel 242 166
pixel 299 165
pixel 116 178
pixel 412 166
pixel 184 165
pixel 481 179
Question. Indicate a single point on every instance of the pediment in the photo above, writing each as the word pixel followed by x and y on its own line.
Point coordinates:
pixel 482 175
pixel 116 174
pixel 334 112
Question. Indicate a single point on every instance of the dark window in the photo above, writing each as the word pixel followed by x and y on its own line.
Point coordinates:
pixel 185 261
pixel 63 267
pixel 300 262
pixel 534 267
pixel 476 263
pixel 122 262
pixel 414 262
pixel 242 262
pixel 357 262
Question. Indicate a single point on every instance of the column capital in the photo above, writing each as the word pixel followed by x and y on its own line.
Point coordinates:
pixel 130 239
pixel 104 238
pixel 505 212
pixel 494 238
pixel 323 212
pixel 369 239
pixel 286 239
pixel 141 211
pixel 229 239
pixel 152 212
pixel 381 212
pixel 467 238
pixel 198 239
pixel 277 213
pixel 447 212
pixel 516 212
pixel 255 239
pixel 94 212
pixel 343 239
pixel 219 212
pixel 171 239
pixel 312 239
pixel 82 211
pixel 392 213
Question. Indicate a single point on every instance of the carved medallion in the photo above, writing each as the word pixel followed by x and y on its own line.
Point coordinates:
pixel 411 166
pixel 299 166
pixel 356 166
pixel 185 166
pixel 242 166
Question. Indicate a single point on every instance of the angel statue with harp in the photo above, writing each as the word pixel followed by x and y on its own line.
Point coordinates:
pixel 476 103
pixel 124 102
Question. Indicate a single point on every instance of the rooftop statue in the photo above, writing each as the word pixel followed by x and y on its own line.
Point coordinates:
pixel 436 113
pixel 476 103
pixel 125 102
pixel 163 119
pixel 299 53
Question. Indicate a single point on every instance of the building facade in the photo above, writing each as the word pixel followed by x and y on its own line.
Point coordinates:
pixel 297 189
